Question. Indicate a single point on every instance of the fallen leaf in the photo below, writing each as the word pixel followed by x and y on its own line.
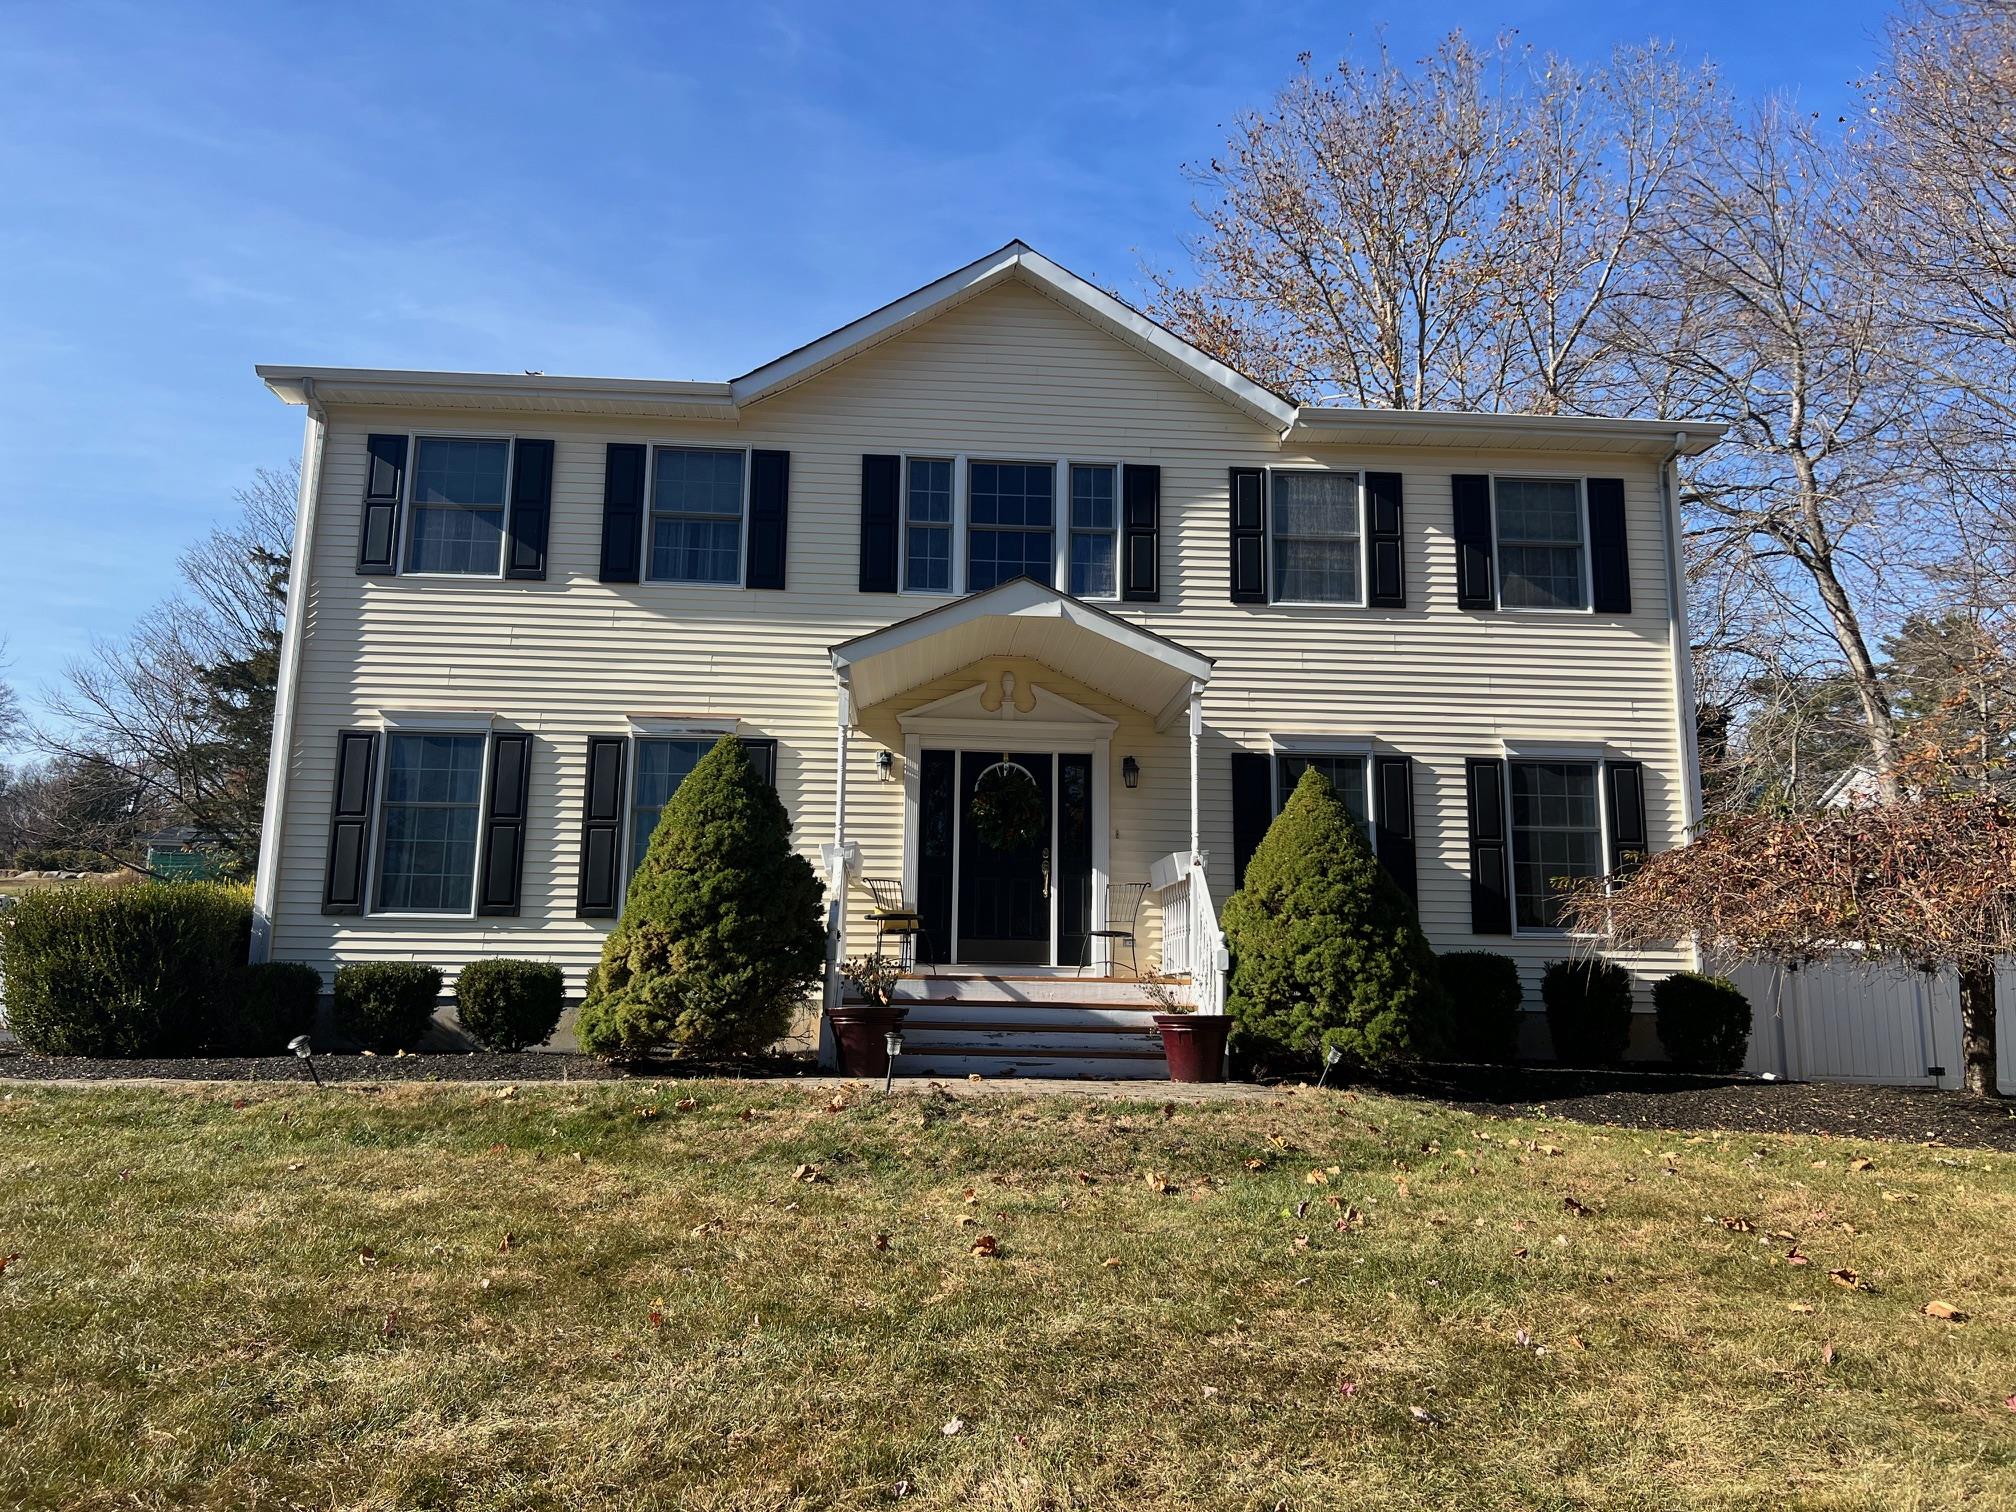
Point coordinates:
pixel 1737 1225
pixel 1521 1253
pixel 686 1104
pixel 1827 1355
pixel 1570 1205
pixel 504 1248
pixel 2010 1402
pixel 1347 1388
pixel 1852 1280
pixel 1159 1184
pixel 1796 1256
pixel 1317 1178
pixel 985 1247
pixel 1423 1416
pixel 1111 1262
pixel 1946 1311
pixel 390 1324
pixel 1861 1163
pixel 1086 1178
pixel 506 1094
pixel 5 1261
pixel 658 1312
pixel 880 1243
pixel 1256 1165
pixel 972 1076
pixel 747 1114
pixel 1799 1307
pixel 967 1220
pixel 953 1427
pixel 805 1173
pixel 367 1257
pixel 647 1114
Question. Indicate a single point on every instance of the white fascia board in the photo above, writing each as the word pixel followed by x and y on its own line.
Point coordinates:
pixel 291 384
pixel 1320 424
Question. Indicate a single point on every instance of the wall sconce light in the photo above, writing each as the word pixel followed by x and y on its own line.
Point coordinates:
pixel 885 763
pixel 1130 771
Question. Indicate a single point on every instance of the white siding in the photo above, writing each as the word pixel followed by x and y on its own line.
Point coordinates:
pixel 1008 374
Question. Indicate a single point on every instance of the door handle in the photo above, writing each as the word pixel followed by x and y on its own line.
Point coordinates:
pixel 1046 871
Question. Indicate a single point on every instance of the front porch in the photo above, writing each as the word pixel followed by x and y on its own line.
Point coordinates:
pixel 1044 841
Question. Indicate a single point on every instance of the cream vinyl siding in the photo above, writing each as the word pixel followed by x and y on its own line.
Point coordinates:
pixel 1008 374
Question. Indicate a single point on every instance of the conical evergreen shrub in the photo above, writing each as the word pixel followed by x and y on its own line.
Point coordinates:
pixel 1326 950
pixel 720 936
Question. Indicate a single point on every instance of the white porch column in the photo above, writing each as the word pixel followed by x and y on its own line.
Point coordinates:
pixel 1196 741
pixel 845 702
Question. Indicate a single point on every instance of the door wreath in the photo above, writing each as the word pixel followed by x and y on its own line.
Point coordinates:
pixel 1008 808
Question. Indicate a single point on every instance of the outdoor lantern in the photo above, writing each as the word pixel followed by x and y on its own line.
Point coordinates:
pixel 893 1043
pixel 1130 771
pixel 1331 1056
pixel 885 763
pixel 300 1046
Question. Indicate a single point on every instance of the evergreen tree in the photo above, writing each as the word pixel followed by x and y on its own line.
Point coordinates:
pixel 721 936
pixel 1326 950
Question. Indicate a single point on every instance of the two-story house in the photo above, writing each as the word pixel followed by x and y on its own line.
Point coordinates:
pixel 1003 523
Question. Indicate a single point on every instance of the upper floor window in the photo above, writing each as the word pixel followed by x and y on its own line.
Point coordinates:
pixel 459 491
pixel 927 525
pixel 1541 543
pixel 429 808
pixel 1011 524
pixel 1318 538
pixel 696 515
pixel 1557 835
pixel 1095 522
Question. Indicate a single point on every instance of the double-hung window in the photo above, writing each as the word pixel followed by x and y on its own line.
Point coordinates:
pixel 1316 521
pixel 457 519
pixel 1346 772
pixel 430 806
pixel 696 515
pixel 1011 524
pixel 1557 835
pixel 662 763
pixel 927 525
pixel 1542 543
pixel 1095 519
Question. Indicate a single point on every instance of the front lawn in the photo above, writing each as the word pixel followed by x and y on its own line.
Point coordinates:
pixel 733 1295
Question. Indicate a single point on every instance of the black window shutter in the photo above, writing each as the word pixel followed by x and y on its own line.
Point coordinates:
pixel 769 517
pixel 1625 798
pixel 1252 807
pixel 881 522
pixel 1384 541
pixel 1249 535
pixel 601 829
pixel 622 512
pixel 384 487
pixel 1141 532
pixel 762 756
pixel 348 864
pixel 504 826
pixel 531 508
pixel 1394 826
pixel 1490 888
pixel 1609 557
pixel 1470 501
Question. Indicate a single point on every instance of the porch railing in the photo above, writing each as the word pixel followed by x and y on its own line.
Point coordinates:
pixel 1193 946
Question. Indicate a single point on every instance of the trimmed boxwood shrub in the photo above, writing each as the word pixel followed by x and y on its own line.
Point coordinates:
pixel 1704 1021
pixel 275 1002
pixel 510 1005
pixel 140 969
pixel 386 1005
pixel 1326 951
pixel 1588 1011
pixel 1484 998
pixel 720 937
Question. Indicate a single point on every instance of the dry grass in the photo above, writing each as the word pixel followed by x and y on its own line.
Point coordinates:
pixel 429 1297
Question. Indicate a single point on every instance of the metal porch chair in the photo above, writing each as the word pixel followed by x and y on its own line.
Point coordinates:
pixel 1123 909
pixel 893 917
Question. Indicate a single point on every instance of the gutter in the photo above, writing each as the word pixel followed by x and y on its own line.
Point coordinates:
pixel 266 880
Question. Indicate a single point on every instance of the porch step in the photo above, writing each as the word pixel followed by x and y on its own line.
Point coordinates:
pixel 1124 991
pixel 961 1061
pixel 924 1011
pixel 926 1037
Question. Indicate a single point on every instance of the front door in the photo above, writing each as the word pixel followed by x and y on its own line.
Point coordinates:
pixel 1007 851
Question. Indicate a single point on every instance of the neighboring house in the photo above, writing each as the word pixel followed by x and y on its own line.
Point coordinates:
pixel 1005 518
pixel 178 855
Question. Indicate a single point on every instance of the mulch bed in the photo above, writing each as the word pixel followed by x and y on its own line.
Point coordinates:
pixel 1646 1100
pixel 529 1066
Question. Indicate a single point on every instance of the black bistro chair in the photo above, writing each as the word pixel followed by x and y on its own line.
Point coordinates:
pixel 1123 908
pixel 895 919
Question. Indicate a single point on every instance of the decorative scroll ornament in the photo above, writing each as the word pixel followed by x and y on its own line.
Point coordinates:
pixel 1008 808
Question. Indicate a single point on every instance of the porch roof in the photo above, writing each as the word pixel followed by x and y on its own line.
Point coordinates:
pixel 1022 617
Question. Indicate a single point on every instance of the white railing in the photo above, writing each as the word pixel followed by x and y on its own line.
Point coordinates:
pixel 1193 946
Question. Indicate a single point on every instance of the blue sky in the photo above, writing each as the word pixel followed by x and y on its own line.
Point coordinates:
pixel 645 190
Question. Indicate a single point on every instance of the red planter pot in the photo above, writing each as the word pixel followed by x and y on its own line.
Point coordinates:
pixel 1195 1045
pixel 858 1035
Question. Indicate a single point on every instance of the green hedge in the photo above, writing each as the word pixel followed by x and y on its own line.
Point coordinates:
pixel 1704 1021
pixel 510 1005
pixel 141 969
pixel 1588 1011
pixel 386 1005
pixel 1484 999
pixel 277 1002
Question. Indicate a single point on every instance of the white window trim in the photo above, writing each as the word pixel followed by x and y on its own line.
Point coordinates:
pixel 1359 746
pixel 953 529
pixel 651 512
pixel 1116 533
pixel 1357 474
pixel 1581 482
pixel 424 724
pixel 409 511
pixel 1577 752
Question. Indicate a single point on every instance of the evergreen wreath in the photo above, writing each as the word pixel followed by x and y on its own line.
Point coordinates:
pixel 1008 808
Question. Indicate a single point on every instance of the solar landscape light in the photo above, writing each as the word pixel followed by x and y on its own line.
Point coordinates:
pixel 1331 1056
pixel 306 1052
pixel 893 1043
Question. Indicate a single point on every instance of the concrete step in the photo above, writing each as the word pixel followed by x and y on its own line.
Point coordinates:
pixel 961 1062
pixel 1030 1015
pixel 1021 1039
pixel 1023 989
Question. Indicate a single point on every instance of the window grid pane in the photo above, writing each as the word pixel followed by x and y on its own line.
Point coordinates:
pixel 1012 508
pixel 432 803
pixel 696 516
pixel 1539 543
pixel 927 555
pixel 1315 529
pixel 661 766
pixel 1557 832
pixel 1347 780
pixel 1093 523
pixel 458 506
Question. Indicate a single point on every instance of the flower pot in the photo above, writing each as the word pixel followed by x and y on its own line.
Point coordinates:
pixel 858 1035
pixel 1195 1045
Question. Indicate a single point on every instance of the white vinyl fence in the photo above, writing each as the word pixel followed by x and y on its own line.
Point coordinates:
pixel 1843 1021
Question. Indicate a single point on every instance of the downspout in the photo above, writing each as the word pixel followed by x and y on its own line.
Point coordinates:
pixel 1686 718
pixel 266 880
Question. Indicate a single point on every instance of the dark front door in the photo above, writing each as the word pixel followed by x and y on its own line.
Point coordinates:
pixel 1005 881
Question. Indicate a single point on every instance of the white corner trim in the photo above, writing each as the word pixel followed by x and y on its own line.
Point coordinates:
pixel 437 721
